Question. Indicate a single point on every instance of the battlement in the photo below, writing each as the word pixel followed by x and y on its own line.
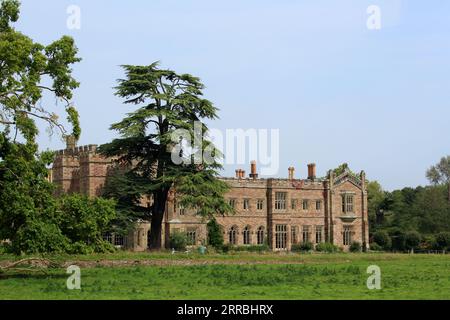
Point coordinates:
pixel 77 151
pixel 80 170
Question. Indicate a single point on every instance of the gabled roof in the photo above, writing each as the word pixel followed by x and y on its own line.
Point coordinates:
pixel 349 176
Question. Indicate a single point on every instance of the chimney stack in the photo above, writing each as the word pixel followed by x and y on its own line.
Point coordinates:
pixel 311 171
pixel 253 173
pixel 71 142
pixel 240 174
pixel 291 173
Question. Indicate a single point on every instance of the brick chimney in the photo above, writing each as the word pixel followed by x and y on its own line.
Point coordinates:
pixel 311 171
pixel 253 172
pixel 291 171
pixel 240 174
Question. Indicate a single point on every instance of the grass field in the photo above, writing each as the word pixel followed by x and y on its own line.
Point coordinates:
pixel 236 276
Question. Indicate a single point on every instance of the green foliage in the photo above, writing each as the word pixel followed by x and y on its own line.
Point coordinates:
pixel 37 236
pixel 423 209
pixel 440 174
pixel 341 169
pixel 412 240
pixel 84 221
pixel 27 208
pixel 74 119
pixel 25 63
pixel 355 247
pixel 32 219
pixel 126 188
pixel 375 247
pixel 9 12
pixel 227 248
pixel 327 247
pixel 252 248
pixel 303 246
pixel 376 204
pixel 382 239
pixel 29 215
pixel 442 241
pixel 202 191
pixel 167 102
pixel 398 240
pixel 178 241
pixel 215 234
pixel 428 242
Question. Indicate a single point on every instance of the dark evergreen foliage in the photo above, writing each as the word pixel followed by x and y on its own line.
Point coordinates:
pixel 166 102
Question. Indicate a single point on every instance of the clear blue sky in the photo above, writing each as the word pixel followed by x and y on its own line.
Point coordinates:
pixel 337 91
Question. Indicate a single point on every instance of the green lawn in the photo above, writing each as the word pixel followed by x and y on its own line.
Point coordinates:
pixel 239 276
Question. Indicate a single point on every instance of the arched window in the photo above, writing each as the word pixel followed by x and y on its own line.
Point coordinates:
pixel 232 235
pixel 246 234
pixel 260 235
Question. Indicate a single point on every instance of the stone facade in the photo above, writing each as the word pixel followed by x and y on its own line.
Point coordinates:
pixel 277 212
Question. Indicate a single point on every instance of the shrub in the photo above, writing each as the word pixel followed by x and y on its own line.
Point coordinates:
pixel 442 241
pixel 428 242
pixel 307 246
pixel 227 248
pixel 382 239
pixel 80 248
pixel 304 246
pixel 375 247
pixel 355 247
pixel 412 240
pixel 5 247
pixel 84 219
pixel 253 248
pixel 38 237
pixel 327 247
pixel 215 234
pixel 178 241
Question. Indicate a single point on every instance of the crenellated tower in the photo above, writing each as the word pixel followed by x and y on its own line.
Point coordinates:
pixel 80 170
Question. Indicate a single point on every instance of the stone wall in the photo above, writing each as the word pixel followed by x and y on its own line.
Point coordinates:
pixel 83 170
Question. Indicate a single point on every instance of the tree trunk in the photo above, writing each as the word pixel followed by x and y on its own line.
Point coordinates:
pixel 159 208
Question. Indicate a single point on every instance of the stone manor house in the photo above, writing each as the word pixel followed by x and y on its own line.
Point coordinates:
pixel 278 212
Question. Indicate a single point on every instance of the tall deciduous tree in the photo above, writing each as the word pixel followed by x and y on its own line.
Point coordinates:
pixel 376 198
pixel 167 102
pixel 28 212
pixel 440 173
pixel 28 70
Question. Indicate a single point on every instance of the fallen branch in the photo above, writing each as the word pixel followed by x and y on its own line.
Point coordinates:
pixel 43 264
